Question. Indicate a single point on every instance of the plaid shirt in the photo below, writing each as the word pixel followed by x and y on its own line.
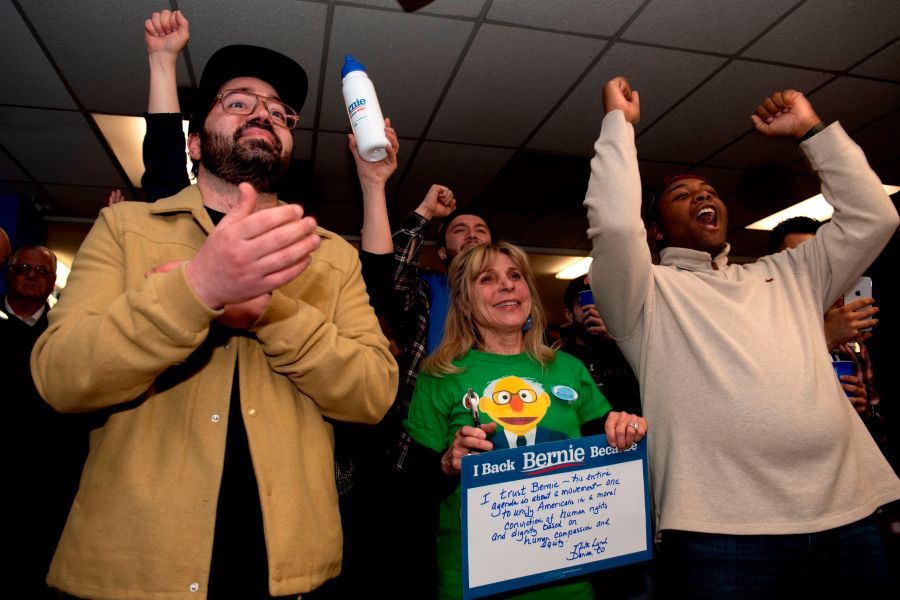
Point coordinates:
pixel 399 293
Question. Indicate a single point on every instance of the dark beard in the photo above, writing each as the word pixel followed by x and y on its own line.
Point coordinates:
pixel 251 159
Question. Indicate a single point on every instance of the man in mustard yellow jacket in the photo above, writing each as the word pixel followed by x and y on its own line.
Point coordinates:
pixel 216 328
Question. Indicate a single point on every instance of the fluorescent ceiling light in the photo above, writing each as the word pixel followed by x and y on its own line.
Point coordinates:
pixel 126 138
pixel 578 268
pixel 815 207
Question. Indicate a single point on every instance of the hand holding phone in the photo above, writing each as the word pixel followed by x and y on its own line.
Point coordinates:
pixel 862 289
pixel 852 320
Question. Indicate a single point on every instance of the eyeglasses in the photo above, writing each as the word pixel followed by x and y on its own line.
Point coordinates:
pixel 243 102
pixel 504 396
pixel 25 268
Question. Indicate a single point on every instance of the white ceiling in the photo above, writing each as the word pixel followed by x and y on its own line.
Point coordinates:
pixel 499 99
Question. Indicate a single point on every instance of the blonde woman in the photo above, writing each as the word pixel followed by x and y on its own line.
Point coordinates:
pixel 528 393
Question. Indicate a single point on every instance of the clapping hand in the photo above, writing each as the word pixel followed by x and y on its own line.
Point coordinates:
pixel 252 252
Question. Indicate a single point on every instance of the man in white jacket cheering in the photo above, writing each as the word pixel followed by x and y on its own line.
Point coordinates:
pixel 764 479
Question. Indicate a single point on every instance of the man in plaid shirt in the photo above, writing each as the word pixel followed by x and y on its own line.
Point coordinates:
pixel 413 303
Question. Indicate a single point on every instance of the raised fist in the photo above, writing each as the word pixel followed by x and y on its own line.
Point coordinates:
pixel 786 113
pixel 618 95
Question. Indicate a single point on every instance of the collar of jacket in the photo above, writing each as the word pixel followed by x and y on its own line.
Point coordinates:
pixel 187 200
pixel 694 260
pixel 191 200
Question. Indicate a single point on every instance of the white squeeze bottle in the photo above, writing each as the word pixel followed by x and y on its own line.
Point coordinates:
pixel 364 111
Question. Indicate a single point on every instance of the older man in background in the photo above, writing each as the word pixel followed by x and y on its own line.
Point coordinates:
pixel 45 450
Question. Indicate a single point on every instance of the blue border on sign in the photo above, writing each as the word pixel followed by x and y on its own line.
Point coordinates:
pixel 472 464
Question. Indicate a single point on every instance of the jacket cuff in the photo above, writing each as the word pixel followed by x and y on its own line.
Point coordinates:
pixel 820 147
pixel 415 223
pixel 182 305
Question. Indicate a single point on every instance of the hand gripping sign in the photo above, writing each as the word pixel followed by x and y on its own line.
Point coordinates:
pixel 548 512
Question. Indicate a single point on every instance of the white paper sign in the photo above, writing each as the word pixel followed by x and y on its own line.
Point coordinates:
pixel 552 511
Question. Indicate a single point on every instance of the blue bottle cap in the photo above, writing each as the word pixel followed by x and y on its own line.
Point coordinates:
pixel 351 65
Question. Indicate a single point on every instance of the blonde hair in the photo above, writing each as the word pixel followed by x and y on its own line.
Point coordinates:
pixel 460 331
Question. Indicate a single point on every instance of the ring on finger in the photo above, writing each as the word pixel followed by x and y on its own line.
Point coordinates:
pixel 634 425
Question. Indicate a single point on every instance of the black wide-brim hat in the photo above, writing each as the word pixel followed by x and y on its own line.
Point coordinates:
pixel 282 73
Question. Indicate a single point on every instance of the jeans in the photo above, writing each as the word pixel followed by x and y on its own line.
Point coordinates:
pixel 847 562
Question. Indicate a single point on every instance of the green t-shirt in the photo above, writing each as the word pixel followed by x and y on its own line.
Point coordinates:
pixel 531 405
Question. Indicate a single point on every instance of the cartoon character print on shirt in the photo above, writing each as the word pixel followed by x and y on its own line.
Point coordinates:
pixel 517 405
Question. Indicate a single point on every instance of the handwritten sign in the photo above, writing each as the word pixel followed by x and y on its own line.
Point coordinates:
pixel 542 513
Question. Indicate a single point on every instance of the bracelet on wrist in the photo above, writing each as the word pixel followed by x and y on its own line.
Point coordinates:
pixel 813 131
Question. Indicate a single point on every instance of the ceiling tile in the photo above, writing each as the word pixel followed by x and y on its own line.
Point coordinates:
pixel 577 16
pixel 24 63
pixel 839 101
pixel 430 48
pixel 335 174
pixel 757 149
pixel 885 64
pixel 508 82
pixel 719 111
pixel 537 183
pixel 464 169
pixel 10 190
pixel 653 172
pixel 79 200
pixel 829 35
pixel 456 8
pixel 509 225
pixel 726 181
pixel 500 78
pixel 334 170
pixel 879 142
pixel 107 69
pixel 344 218
pixel 397 214
pixel 9 171
pixel 56 147
pixel 555 232
pixel 723 27
pixel 218 24
pixel 662 77
pixel 303 144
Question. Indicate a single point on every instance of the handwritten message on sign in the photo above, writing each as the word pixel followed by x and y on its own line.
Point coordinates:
pixel 547 512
